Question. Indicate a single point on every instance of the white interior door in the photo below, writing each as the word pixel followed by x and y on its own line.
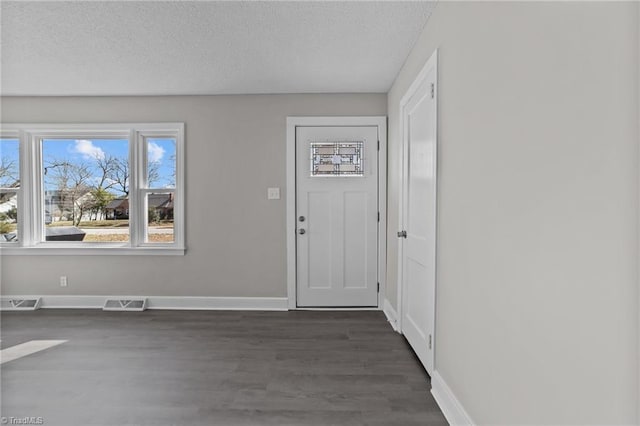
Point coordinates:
pixel 336 216
pixel 418 227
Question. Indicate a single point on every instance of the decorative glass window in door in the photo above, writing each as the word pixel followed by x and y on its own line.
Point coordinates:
pixel 337 158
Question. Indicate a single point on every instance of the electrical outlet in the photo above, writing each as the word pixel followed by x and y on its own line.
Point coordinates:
pixel 63 281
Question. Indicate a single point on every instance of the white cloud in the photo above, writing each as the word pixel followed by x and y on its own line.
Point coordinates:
pixel 156 152
pixel 88 149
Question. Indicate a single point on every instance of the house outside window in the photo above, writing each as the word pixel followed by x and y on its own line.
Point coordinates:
pixel 92 188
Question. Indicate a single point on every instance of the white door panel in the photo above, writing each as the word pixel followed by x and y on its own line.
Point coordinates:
pixel 336 255
pixel 418 220
pixel 319 242
pixel 357 252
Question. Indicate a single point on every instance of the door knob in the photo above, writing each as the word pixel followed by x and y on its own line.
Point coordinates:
pixel 301 218
pixel 301 231
pixel 402 234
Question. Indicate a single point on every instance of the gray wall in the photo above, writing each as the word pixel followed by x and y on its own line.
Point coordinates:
pixel 537 300
pixel 235 149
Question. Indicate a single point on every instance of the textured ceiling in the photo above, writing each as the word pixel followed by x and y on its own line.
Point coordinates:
pixel 179 47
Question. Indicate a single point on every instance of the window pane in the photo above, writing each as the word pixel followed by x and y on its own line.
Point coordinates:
pixel 9 178
pixel 161 163
pixel 337 159
pixel 8 217
pixel 160 218
pixel 86 183
pixel 9 163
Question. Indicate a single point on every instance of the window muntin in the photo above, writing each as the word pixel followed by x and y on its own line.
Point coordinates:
pixel 124 186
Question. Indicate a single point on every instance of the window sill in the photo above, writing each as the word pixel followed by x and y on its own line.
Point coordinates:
pixel 91 251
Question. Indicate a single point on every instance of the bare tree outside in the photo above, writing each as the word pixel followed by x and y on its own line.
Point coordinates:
pixel 119 176
pixel 153 174
pixel 9 173
pixel 105 167
pixel 73 183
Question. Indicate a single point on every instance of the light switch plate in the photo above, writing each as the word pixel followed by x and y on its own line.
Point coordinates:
pixel 273 193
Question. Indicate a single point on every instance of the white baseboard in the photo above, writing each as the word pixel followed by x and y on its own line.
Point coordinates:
pixel 392 315
pixel 167 302
pixel 449 404
pixel 219 303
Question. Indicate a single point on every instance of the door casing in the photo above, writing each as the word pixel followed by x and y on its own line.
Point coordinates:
pixel 432 63
pixel 292 122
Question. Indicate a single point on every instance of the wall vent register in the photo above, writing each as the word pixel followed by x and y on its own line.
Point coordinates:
pixel 344 158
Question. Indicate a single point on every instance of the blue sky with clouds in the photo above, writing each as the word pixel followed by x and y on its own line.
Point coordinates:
pixel 159 151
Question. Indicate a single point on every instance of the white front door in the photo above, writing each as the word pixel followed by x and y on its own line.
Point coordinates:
pixel 337 216
pixel 418 227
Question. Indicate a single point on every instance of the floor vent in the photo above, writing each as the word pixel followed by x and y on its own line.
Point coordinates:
pixel 125 304
pixel 7 304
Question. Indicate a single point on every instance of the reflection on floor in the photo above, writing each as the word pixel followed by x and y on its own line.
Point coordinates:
pixel 27 348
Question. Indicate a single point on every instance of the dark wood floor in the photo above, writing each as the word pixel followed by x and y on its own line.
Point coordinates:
pixel 214 368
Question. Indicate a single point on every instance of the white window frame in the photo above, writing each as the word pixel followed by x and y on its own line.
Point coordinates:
pixel 31 227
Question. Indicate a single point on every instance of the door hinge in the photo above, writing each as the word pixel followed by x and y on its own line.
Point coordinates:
pixel 429 341
pixel 378 216
pixel 378 287
pixel 433 90
pixel 378 145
